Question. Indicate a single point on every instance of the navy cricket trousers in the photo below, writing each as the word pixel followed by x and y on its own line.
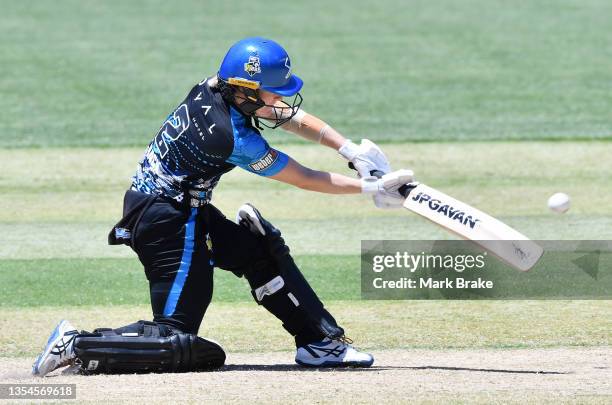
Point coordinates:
pixel 179 247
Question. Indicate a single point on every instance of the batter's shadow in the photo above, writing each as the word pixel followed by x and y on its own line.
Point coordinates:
pixel 292 367
pixel 295 367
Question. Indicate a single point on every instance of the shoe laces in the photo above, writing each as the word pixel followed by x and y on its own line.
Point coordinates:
pixel 345 339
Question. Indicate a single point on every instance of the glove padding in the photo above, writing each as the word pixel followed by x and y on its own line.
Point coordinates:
pixel 366 157
pixel 385 189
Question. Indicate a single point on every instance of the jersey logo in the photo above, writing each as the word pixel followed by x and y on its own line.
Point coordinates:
pixel 266 161
pixel 175 125
pixel 252 66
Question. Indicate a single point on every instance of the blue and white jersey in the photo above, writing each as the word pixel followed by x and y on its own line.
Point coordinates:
pixel 203 138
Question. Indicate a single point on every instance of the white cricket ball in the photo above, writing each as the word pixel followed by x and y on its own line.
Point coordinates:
pixel 559 202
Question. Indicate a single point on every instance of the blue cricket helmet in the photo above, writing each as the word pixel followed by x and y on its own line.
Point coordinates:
pixel 257 62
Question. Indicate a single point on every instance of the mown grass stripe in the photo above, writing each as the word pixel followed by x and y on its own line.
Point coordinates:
pixel 78 282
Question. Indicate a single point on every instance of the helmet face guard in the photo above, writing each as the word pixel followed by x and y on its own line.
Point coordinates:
pixel 283 112
pixel 245 96
pixel 250 102
pixel 258 63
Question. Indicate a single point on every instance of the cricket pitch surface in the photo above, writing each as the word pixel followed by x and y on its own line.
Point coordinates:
pixel 565 375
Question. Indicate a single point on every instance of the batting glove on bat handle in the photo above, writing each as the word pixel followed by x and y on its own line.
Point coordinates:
pixel 403 190
pixel 376 173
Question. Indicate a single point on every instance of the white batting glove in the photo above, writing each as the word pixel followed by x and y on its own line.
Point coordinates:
pixel 365 157
pixel 384 190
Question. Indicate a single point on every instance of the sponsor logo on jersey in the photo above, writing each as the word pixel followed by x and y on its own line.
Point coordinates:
pixel 445 209
pixel 252 66
pixel 266 161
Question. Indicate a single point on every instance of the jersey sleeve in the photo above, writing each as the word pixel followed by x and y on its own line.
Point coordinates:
pixel 251 151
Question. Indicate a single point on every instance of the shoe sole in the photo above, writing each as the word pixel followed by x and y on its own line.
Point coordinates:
pixel 333 364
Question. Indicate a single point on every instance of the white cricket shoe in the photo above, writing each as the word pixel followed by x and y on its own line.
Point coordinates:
pixel 58 352
pixel 332 353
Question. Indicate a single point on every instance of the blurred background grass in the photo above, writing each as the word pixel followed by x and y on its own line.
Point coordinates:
pixel 107 73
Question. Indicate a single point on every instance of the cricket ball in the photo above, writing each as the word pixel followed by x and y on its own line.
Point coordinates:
pixel 559 202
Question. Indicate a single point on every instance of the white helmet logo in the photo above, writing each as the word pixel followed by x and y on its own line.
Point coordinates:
pixel 252 66
pixel 288 66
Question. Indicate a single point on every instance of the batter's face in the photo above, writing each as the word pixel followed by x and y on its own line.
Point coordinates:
pixel 269 99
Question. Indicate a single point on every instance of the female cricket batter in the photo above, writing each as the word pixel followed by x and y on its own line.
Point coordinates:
pixel 179 236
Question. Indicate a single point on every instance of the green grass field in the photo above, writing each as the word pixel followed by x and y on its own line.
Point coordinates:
pixel 497 104
pixel 107 74
pixel 68 267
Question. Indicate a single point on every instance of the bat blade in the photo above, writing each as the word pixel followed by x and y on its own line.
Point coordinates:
pixel 511 246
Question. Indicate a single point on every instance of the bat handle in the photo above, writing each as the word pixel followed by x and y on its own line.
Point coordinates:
pixel 403 190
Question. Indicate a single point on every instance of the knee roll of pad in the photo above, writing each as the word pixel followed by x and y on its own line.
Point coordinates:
pixel 146 347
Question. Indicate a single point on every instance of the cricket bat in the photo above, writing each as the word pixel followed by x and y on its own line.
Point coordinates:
pixel 509 245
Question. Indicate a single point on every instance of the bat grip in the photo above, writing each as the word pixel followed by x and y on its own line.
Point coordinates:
pixel 403 190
